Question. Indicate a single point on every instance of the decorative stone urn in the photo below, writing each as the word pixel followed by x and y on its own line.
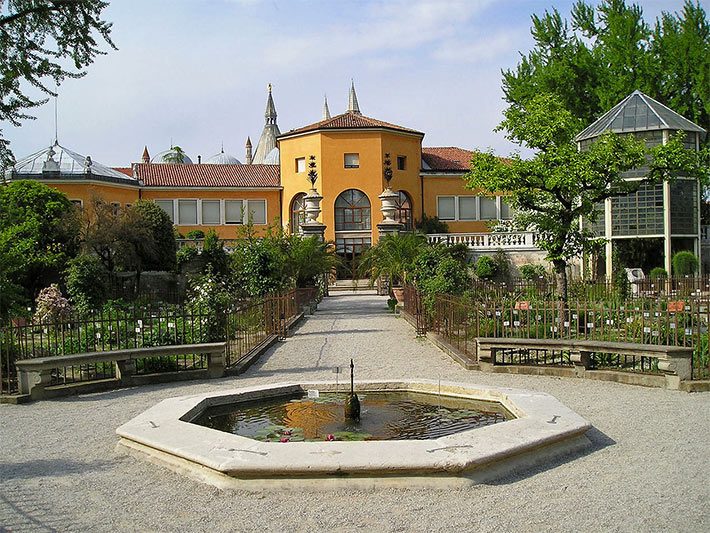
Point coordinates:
pixel 389 210
pixel 311 226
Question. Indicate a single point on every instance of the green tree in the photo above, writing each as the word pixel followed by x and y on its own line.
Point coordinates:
pixel 43 42
pixel 308 260
pixel 87 281
pixel 175 155
pixel 560 185
pixel 681 51
pixel 160 227
pixel 604 53
pixel 39 233
pixel 393 257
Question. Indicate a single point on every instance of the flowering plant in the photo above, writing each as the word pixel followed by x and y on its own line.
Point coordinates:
pixel 52 306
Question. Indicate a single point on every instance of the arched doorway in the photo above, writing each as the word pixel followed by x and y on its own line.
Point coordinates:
pixel 298 212
pixel 404 211
pixel 353 230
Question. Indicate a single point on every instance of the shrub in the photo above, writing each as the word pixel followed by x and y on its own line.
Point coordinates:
pixel 87 281
pixel 532 271
pixel 431 225
pixel 184 255
pixel 502 266
pixel 214 255
pixel 658 273
pixel 196 234
pixel 684 263
pixel 486 268
pixel 52 306
pixel 159 225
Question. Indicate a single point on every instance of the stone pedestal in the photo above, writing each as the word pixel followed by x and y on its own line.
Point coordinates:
pixel 313 229
pixel 389 225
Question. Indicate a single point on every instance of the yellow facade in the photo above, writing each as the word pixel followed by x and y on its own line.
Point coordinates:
pixel 272 197
pixel 85 192
pixel 329 147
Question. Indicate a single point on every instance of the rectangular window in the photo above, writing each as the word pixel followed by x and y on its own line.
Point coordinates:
pixel 467 208
pixel 167 206
pixel 352 160
pixel 257 211
pixel 401 162
pixel 504 210
pixel 187 212
pixel 233 212
pixel 300 164
pixel 78 204
pixel 446 207
pixel 488 208
pixel 210 212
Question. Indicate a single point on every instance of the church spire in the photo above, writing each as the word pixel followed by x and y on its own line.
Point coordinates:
pixel 247 156
pixel 353 106
pixel 326 111
pixel 267 141
pixel 270 113
pixel 146 156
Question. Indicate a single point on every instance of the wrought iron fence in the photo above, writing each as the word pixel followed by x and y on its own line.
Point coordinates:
pixel 243 325
pixel 461 320
pixel 594 291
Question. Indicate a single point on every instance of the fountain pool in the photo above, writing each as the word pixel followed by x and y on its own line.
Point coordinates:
pixel 411 433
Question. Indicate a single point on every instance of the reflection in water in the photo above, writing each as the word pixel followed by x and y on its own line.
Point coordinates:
pixel 385 416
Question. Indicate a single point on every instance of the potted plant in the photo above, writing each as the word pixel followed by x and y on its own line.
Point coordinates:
pixel 393 258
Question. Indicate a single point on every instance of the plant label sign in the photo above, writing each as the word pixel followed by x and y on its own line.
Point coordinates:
pixel 675 306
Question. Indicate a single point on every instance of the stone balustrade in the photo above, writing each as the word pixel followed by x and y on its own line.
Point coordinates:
pixel 523 240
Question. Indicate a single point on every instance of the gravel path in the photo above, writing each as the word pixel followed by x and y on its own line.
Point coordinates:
pixel 648 471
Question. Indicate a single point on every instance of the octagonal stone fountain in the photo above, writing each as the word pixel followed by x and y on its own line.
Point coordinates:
pixel 456 434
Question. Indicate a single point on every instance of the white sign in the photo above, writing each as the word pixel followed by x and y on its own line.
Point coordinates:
pixel 313 393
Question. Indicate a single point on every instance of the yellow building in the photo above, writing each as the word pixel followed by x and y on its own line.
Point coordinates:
pixel 221 193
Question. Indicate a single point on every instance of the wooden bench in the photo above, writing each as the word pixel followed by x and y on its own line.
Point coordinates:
pixel 675 362
pixel 35 375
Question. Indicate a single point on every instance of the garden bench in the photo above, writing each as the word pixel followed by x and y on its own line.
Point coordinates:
pixel 35 375
pixel 675 362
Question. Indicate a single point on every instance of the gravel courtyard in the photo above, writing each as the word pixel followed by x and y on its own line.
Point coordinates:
pixel 649 469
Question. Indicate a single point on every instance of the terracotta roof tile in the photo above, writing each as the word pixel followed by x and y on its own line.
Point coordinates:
pixel 446 158
pixel 128 171
pixel 177 175
pixel 346 121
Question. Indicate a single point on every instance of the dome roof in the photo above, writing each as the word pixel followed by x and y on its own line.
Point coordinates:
pixel 222 159
pixel 161 157
pixel 273 157
pixel 57 159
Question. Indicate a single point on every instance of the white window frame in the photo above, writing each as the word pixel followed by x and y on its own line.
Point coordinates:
pixel 345 164
pixel 245 211
pixel 300 170
pixel 197 211
pixel 201 214
pixel 172 201
pixel 456 207
pixel 77 203
pixel 457 210
pixel 248 210
pixel 241 222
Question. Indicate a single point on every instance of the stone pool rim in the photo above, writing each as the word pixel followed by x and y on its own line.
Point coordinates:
pixel 164 434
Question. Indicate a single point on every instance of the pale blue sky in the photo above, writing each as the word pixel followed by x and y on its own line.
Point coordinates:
pixel 196 71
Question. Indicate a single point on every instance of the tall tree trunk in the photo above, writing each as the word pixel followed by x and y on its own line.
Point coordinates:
pixel 560 267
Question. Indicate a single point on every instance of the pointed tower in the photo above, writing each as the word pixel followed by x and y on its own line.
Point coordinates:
pixel 326 111
pixel 353 106
pixel 267 141
pixel 145 158
pixel 247 156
